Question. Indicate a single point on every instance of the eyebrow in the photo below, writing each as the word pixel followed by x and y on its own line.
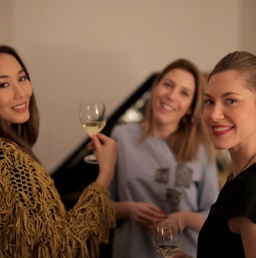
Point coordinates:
pixel 172 81
pixel 224 95
pixel 6 76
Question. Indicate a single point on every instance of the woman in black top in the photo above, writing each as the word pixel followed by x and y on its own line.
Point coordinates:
pixel 230 115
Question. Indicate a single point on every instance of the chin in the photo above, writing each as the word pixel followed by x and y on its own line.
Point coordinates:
pixel 221 146
pixel 23 120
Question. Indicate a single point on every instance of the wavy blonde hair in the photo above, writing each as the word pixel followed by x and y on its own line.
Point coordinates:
pixel 191 131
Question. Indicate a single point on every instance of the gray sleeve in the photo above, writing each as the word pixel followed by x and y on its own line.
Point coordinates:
pixel 208 187
pixel 113 186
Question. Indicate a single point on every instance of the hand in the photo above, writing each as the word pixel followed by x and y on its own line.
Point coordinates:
pixel 106 153
pixel 182 218
pixel 143 214
pixel 189 219
pixel 181 255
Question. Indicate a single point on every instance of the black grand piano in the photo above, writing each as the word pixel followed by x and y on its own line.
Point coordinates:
pixel 74 174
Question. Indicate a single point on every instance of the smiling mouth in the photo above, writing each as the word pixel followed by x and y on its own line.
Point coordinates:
pixel 20 106
pixel 221 129
pixel 167 107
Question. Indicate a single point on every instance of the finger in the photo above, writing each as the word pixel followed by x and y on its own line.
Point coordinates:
pixel 145 218
pixel 156 213
pixel 155 208
pixel 90 145
pixel 102 137
pixel 144 223
pixel 95 141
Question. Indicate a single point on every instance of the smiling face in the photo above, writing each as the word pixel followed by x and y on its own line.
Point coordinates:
pixel 172 98
pixel 229 111
pixel 15 91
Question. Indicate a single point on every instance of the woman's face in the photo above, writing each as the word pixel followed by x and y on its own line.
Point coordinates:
pixel 15 91
pixel 172 97
pixel 229 110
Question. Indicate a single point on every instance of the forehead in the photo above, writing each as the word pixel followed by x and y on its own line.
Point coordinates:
pixel 8 64
pixel 231 80
pixel 181 76
pixel 178 71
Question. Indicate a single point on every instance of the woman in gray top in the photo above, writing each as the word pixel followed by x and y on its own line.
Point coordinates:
pixel 165 166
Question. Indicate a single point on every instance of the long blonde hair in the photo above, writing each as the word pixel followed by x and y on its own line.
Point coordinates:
pixel 191 130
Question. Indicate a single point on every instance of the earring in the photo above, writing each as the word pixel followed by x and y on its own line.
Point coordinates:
pixel 187 118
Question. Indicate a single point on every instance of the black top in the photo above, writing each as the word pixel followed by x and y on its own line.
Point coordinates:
pixel 237 198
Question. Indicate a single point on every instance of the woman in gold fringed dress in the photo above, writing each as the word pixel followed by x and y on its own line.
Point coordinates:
pixel 33 220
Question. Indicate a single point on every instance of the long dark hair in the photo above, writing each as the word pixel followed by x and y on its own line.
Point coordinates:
pixel 26 134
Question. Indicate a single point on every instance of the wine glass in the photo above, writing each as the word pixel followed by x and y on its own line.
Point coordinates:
pixel 93 118
pixel 167 236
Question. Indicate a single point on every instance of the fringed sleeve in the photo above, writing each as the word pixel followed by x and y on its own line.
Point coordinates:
pixel 33 220
pixel 93 216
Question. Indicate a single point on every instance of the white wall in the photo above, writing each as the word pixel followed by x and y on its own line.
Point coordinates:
pixel 82 49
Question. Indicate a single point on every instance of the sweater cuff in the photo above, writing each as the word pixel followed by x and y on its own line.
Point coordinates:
pixel 98 188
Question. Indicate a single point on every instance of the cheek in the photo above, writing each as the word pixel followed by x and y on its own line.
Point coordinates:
pixel 154 93
pixel 205 115
pixel 159 91
pixel 154 98
pixel 29 91
pixel 4 111
pixel 154 105
pixel 186 105
pixel 5 99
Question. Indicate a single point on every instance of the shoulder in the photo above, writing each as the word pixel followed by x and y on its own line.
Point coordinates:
pixel 240 195
pixel 6 148
pixel 11 154
pixel 3 143
pixel 9 157
pixel 202 153
pixel 124 129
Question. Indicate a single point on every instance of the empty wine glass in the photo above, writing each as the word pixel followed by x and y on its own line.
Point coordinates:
pixel 92 114
pixel 167 236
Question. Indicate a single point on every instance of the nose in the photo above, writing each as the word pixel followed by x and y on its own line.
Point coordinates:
pixel 216 113
pixel 171 95
pixel 18 91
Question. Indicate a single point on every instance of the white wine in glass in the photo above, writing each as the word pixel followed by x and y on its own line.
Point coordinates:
pixel 166 237
pixel 93 127
pixel 93 117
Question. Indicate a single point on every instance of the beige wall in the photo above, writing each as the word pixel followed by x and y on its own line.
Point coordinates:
pixel 5 7
pixel 82 49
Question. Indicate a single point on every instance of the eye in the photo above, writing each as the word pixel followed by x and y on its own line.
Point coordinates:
pixel 167 84
pixel 185 93
pixel 208 102
pixel 3 85
pixel 23 78
pixel 230 101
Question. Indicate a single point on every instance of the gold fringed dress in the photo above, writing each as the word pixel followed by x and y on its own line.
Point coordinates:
pixel 33 219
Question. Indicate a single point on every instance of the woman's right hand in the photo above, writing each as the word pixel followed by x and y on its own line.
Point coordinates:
pixel 180 254
pixel 106 152
pixel 143 214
